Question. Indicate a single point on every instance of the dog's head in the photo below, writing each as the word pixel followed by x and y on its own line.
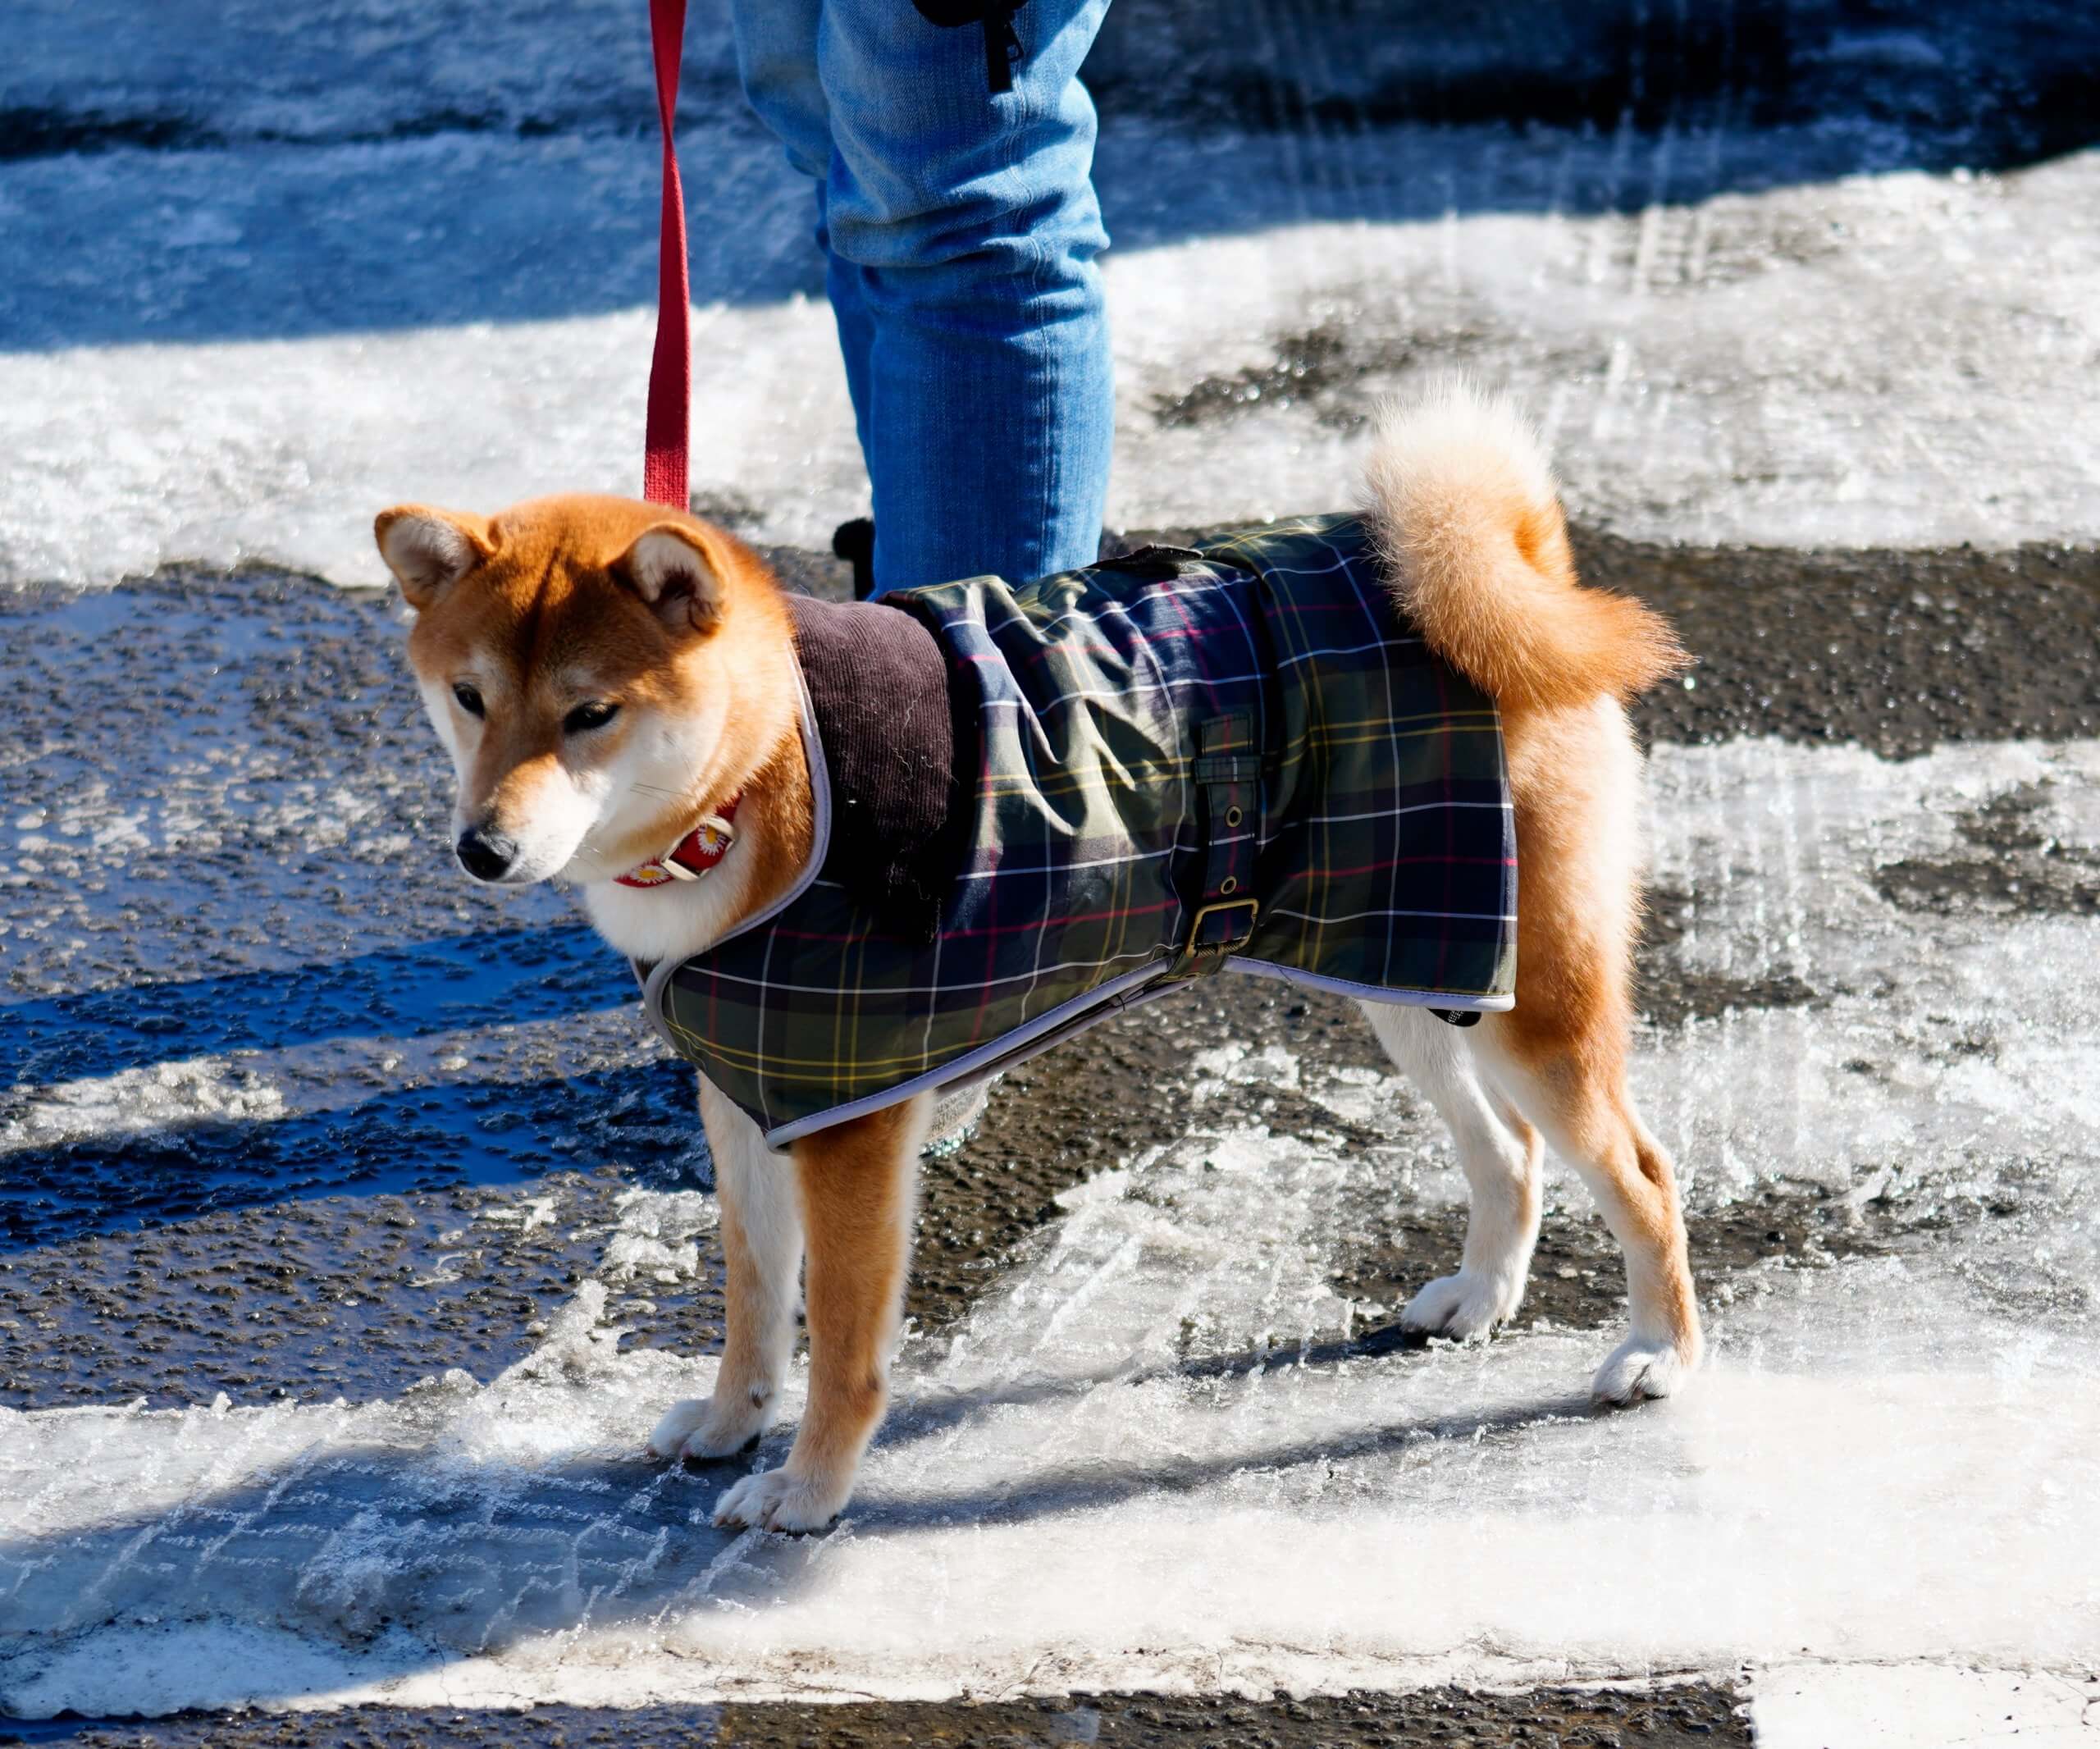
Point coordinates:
pixel 572 656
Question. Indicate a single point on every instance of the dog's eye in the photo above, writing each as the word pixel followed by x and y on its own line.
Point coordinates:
pixel 470 700
pixel 589 716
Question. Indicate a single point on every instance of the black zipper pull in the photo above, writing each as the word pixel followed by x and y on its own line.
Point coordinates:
pixel 1002 49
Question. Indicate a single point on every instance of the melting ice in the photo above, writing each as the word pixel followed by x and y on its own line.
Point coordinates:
pixel 1700 366
pixel 1140 1461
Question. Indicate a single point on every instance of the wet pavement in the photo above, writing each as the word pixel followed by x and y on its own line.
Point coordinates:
pixel 367 1137
pixel 294 1110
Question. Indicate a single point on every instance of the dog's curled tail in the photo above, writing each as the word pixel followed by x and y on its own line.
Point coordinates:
pixel 1467 519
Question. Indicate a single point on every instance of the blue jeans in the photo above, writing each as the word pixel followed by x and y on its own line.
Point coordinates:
pixel 959 231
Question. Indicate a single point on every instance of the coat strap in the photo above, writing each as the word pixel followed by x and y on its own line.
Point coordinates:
pixel 1228 771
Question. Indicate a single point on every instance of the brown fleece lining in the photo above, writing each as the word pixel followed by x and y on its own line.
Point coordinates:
pixel 898 728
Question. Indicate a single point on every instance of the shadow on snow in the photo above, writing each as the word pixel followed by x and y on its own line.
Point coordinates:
pixel 224 181
pixel 344 1544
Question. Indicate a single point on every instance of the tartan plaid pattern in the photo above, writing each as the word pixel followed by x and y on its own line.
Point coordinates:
pixel 1380 844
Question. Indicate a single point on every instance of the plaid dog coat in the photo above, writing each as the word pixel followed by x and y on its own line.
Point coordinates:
pixel 1241 758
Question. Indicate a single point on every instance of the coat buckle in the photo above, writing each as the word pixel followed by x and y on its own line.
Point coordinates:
pixel 1189 961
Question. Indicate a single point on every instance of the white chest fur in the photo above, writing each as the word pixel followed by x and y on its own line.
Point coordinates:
pixel 674 921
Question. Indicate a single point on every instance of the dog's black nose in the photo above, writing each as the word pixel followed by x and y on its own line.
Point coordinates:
pixel 485 855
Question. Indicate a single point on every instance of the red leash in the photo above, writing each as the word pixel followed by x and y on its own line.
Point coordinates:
pixel 670 368
pixel 670 407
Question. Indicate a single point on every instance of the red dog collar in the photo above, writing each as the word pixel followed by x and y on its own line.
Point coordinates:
pixel 694 855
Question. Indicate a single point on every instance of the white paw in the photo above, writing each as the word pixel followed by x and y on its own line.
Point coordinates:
pixel 1464 1307
pixel 704 1428
pixel 775 1500
pixel 1640 1368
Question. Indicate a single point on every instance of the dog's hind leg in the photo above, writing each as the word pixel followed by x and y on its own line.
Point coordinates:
pixel 762 1247
pixel 1499 1153
pixel 858 1182
pixel 1578 1098
pixel 1559 1056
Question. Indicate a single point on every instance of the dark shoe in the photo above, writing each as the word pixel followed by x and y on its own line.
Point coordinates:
pixel 855 542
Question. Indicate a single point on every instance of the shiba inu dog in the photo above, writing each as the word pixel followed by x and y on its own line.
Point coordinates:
pixel 619 686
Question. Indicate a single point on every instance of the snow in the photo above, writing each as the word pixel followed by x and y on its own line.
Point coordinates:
pixel 656 1236
pixel 1144 1460
pixel 135 1102
pixel 1930 1036
pixel 1866 1707
pixel 245 353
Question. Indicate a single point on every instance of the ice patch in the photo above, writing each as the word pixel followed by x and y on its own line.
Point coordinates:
pixel 1848 1034
pixel 166 1096
pixel 1928 1049
pixel 1838 1482
pixel 533 1213
pixel 1864 1706
pixel 1703 371
pixel 655 1238
pixel 284 450
pixel 1238 1066
pixel 1151 1457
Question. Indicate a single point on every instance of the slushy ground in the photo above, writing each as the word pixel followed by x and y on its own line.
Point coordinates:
pixel 352 1232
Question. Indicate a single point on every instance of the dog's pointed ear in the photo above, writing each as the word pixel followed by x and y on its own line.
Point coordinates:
pixel 428 551
pixel 678 570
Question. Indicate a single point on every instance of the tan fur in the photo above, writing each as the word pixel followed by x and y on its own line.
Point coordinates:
pixel 548 617
pixel 1578 918
pixel 858 1186
pixel 1467 517
pixel 575 597
pixel 1470 527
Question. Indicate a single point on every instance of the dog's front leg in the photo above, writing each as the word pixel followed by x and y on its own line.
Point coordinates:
pixel 762 1247
pixel 857 1182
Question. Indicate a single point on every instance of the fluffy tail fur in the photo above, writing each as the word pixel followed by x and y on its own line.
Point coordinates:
pixel 1467 519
